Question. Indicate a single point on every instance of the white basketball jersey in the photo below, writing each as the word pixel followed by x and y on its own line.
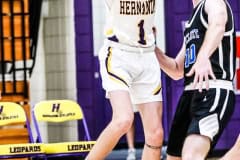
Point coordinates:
pixel 130 22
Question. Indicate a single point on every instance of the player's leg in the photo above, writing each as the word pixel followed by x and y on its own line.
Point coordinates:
pixel 195 147
pixel 211 110
pixel 130 137
pixel 122 119
pixel 151 114
pixel 146 92
pixel 234 152
pixel 114 68
pixel 179 127
pixel 131 133
pixel 173 158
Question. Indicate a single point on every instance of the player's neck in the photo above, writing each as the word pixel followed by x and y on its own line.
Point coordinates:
pixel 195 2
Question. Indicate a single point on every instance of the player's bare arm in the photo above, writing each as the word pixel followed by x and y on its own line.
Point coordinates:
pixel 217 18
pixel 172 67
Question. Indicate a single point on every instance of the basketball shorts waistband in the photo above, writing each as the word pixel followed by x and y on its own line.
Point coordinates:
pixel 223 84
pixel 130 48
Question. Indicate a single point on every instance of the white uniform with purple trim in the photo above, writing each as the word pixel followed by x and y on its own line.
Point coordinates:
pixel 127 59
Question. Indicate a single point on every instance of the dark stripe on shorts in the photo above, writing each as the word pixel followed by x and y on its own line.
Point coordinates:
pixel 157 91
pixel 107 62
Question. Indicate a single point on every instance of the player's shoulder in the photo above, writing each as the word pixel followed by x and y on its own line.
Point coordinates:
pixel 215 6
pixel 215 3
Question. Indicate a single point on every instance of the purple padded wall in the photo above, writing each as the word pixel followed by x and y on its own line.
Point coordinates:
pixel 84 59
pixel 175 12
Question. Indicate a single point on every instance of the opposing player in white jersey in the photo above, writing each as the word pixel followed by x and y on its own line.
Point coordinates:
pixel 130 74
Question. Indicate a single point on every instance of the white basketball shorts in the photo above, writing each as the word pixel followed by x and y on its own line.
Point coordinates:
pixel 137 72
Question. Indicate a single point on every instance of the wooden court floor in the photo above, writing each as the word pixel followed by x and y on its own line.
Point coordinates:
pixel 121 154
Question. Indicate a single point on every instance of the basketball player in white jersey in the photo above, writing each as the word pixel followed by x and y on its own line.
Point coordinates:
pixel 130 74
pixel 207 63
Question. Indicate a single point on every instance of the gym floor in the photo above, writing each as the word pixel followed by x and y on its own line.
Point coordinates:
pixel 121 154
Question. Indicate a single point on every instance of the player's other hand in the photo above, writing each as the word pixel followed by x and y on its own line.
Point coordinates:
pixel 202 70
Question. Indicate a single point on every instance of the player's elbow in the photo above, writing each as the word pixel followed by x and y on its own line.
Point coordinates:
pixel 220 27
pixel 219 24
pixel 179 71
pixel 177 76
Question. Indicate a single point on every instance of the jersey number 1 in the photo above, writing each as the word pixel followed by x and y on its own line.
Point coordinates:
pixel 141 33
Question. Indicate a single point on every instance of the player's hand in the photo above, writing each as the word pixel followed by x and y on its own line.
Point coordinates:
pixel 202 70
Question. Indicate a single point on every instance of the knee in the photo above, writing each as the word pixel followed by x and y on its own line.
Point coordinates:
pixel 123 123
pixel 155 136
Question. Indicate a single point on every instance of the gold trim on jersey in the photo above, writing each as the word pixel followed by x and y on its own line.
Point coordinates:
pixel 109 32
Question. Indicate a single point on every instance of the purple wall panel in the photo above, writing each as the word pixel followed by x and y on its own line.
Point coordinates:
pixel 180 8
pixel 84 43
pixel 85 80
pixel 234 5
pixel 236 114
pixel 88 118
pixel 174 16
pixel 85 98
pixel 84 61
pixel 79 22
pixel 231 133
pixel 237 21
pixel 179 40
pixel 87 59
pixel 83 7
